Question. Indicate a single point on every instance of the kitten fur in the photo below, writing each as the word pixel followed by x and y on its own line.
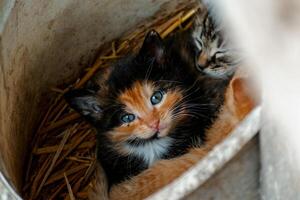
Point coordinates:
pixel 189 104
pixel 239 101
pixel 214 55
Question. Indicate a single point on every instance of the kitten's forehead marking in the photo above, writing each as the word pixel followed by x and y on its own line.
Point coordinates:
pixel 137 101
pixel 137 98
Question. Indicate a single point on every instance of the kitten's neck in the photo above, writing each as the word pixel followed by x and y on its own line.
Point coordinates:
pixel 150 151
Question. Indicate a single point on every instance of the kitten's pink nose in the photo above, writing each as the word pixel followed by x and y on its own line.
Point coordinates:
pixel 154 125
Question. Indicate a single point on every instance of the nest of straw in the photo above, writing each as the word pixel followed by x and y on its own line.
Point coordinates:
pixel 62 161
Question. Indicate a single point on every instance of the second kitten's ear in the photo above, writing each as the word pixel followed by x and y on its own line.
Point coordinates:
pixel 86 103
pixel 199 19
pixel 152 47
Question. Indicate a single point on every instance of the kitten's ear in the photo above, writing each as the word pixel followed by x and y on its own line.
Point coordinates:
pixel 85 102
pixel 152 47
pixel 200 17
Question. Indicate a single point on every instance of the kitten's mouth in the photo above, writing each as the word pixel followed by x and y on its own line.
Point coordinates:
pixel 154 136
pixel 141 141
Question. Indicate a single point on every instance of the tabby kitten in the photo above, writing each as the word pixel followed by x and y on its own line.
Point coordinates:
pixel 213 54
pixel 205 48
pixel 151 106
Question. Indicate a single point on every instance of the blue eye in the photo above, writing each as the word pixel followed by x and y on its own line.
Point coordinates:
pixel 127 118
pixel 156 97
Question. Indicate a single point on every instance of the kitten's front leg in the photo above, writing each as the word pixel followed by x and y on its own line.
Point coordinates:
pixel 156 177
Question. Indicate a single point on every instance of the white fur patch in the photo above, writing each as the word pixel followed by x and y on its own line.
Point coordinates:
pixel 150 151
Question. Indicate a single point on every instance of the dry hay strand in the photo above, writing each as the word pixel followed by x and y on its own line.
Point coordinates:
pixel 65 171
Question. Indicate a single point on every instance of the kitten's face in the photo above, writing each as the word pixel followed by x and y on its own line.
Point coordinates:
pixel 213 56
pixel 148 112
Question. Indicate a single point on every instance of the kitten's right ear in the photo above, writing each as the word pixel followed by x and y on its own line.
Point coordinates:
pixel 200 17
pixel 152 47
pixel 85 102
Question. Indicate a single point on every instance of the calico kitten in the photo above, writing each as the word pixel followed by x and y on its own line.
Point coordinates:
pixel 240 99
pixel 152 106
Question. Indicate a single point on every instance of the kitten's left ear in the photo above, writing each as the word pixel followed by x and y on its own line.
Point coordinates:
pixel 86 103
pixel 152 47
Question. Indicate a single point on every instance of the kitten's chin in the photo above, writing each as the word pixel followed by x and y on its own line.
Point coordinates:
pixel 156 134
pixel 159 134
pixel 162 133
pixel 154 137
